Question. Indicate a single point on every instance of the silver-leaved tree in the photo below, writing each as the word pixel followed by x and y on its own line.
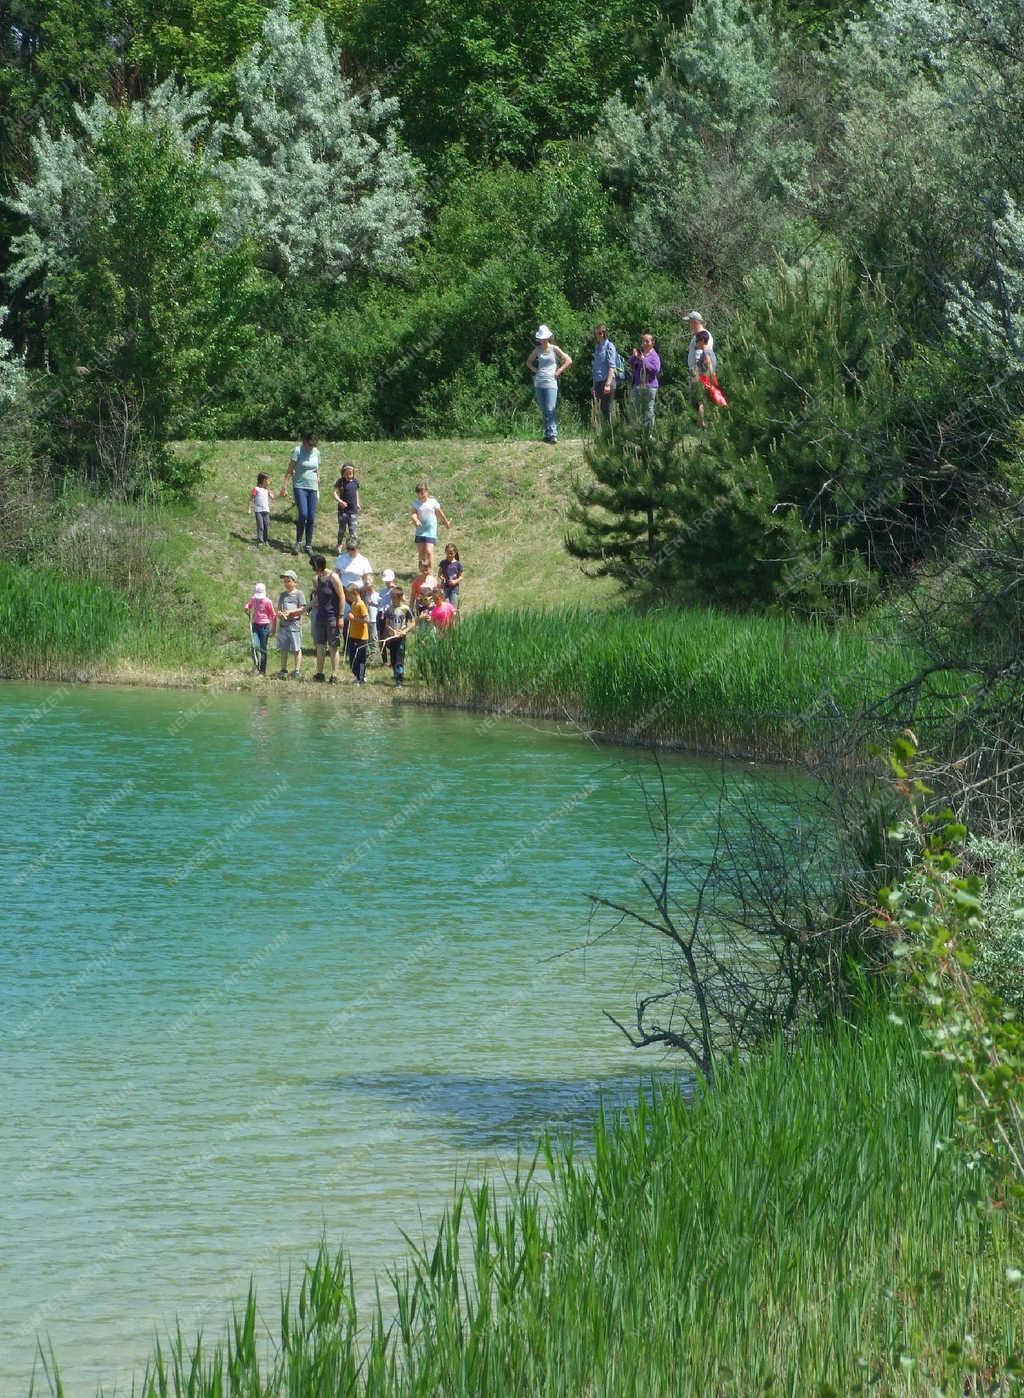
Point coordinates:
pixel 320 182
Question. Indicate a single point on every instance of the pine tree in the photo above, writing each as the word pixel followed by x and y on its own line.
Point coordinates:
pixel 321 185
pixel 770 504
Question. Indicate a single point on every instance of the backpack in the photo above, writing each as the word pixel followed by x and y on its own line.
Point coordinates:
pixel 620 369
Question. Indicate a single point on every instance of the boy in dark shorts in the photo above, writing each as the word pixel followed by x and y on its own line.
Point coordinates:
pixel 346 492
pixel 398 622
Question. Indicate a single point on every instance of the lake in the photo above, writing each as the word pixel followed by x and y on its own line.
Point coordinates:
pixel 277 967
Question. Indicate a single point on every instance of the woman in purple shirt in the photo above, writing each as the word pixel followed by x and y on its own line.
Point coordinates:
pixel 646 364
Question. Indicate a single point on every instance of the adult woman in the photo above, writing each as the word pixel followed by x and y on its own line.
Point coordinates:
pixel 547 363
pixel 304 470
pixel 328 602
pixel 426 511
pixel 644 390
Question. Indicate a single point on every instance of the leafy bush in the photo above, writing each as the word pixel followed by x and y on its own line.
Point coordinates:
pixel 999 938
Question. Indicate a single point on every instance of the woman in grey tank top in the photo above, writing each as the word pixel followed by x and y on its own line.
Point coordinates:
pixel 547 362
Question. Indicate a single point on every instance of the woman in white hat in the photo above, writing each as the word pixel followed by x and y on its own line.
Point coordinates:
pixel 546 363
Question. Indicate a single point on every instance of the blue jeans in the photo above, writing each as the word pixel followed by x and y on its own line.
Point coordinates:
pixel 305 512
pixel 356 651
pixel 644 398
pixel 260 632
pixel 547 397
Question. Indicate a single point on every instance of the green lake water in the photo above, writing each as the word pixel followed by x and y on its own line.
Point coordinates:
pixel 277 967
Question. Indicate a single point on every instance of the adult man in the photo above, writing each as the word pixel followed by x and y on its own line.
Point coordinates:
pixel 602 373
pixel 697 327
pixel 353 568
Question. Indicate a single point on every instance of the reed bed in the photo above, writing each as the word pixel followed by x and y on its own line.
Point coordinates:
pixel 759 685
pixel 51 623
pixel 803 1228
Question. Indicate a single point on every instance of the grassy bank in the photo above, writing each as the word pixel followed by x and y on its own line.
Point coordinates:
pixel 758 685
pixel 186 570
pixel 801 1230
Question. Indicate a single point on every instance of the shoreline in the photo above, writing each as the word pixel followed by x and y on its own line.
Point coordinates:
pixel 739 749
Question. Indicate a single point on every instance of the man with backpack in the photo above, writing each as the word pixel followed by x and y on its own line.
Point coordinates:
pixel 605 371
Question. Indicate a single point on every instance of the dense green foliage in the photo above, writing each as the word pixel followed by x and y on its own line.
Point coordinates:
pixel 574 165
pixel 844 465
pixel 799 1230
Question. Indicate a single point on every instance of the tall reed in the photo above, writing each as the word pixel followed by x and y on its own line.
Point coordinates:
pixel 698 677
pixel 804 1228
pixel 51 623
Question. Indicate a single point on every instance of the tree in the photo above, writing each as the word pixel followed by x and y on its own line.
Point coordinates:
pixel 707 156
pixel 12 370
pixel 321 184
pixel 492 82
pixel 143 307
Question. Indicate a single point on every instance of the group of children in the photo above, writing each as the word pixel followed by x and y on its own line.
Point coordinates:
pixel 348 611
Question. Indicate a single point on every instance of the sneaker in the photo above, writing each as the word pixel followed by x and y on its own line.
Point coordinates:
pixel 333 680
pixel 308 549
pixel 399 682
pixel 298 675
pixel 319 677
pixel 281 675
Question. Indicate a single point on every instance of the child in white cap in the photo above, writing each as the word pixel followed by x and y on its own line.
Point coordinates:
pixel 291 607
pixel 387 582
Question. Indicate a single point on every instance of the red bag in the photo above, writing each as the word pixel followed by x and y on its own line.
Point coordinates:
pixel 714 392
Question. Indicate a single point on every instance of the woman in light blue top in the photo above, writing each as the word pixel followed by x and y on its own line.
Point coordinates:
pixel 547 363
pixel 304 469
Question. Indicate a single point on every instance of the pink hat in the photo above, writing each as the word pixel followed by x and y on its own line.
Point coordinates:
pixel 259 590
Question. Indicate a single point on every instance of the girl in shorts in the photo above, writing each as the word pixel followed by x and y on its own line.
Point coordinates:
pixel 426 511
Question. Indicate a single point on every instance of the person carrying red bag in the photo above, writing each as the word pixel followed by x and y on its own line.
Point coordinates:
pixel 706 367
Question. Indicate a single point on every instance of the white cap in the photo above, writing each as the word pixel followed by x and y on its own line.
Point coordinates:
pixel 695 315
pixel 544 333
pixel 388 575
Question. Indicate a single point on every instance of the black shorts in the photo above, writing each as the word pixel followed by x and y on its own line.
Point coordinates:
pixel 326 630
pixel 394 651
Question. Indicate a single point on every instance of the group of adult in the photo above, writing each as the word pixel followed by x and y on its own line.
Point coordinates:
pixel 547 362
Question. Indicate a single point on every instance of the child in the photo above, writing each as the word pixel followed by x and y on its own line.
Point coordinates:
pixel 442 613
pixel 259 505
pixel 291 607
pixel 371 597
pixel 398 622
pixel 423 596
pixel 420 581
pixel 426 511
pixel 262 617
pixel 346 492
pixel 451 575
pixel 358 633
pixel 387 582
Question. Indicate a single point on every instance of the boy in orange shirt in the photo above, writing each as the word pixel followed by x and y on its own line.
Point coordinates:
pixel 358 633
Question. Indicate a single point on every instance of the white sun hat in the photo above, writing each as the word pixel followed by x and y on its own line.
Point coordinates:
pixel 695 315
pixel 543 333
pixel 388 575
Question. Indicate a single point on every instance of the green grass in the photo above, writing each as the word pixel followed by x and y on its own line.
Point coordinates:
pixel 802 1230
pixel 507 502
pixel 700 678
